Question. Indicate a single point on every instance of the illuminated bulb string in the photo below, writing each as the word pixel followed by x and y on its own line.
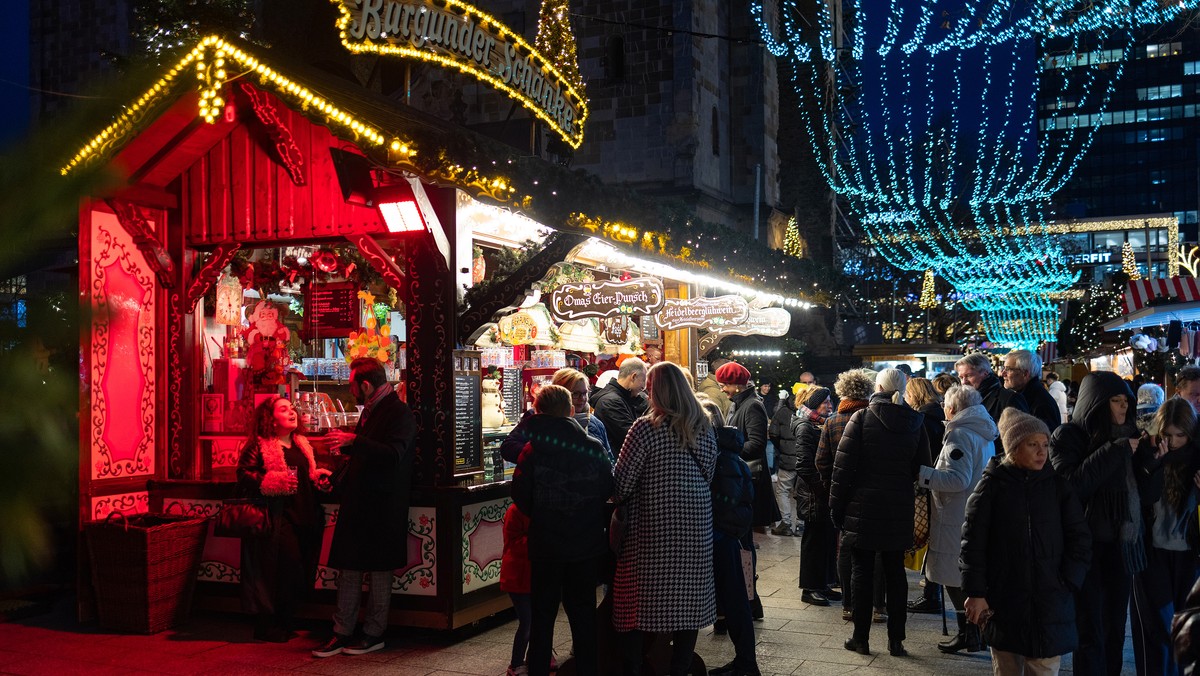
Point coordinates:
pixel 934 192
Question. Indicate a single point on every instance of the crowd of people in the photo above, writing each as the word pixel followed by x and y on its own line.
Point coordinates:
pixel 1053 512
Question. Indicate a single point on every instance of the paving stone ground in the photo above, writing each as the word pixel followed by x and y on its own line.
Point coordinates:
pixel 794 638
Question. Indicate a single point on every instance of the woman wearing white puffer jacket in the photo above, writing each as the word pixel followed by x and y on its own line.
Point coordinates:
pixel 968 445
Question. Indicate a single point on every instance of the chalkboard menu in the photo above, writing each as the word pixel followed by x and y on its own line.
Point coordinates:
pixel 330 310
pixel 511 386
pixel 468 420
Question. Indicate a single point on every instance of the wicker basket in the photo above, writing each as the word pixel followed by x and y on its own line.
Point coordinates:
pixel 144 569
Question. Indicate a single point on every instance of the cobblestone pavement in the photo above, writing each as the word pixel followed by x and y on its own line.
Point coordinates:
pixel 794 638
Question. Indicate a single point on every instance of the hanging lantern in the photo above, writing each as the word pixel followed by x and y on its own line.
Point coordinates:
pixel 229 301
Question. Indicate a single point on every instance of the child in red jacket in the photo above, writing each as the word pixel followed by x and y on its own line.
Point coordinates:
pixel 514 579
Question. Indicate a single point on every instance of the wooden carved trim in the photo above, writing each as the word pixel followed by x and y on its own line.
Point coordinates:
pixel 380 260
pixel 208 274
pixel 504 293
pixel 287 152
pixel 131 219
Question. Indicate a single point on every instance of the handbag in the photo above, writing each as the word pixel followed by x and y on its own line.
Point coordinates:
pixel 914 556
pixel 243 518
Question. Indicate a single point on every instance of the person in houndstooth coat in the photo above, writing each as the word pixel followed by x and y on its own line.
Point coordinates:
pixel 664 580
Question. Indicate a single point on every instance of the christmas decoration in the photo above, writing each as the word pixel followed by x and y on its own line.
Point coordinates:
pixel 927 299
pixel 1128 262
pixel 373 340
pixel 792 244
pixel 556 41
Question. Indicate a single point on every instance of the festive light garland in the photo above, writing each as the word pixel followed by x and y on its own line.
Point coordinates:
pixel 933 193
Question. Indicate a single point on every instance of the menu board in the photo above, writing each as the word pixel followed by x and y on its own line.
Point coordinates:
pixel 330 310
pixel 511 386
pixel 468 418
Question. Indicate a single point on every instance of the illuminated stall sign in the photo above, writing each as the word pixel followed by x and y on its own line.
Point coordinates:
pixel 642 296
pixel 702 313
pixel 456 35
pixel 772 321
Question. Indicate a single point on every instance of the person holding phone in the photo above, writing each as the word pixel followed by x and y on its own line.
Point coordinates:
pixel 1025 552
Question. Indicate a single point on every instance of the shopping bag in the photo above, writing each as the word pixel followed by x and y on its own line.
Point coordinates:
pixel 748 572
pixel 914 559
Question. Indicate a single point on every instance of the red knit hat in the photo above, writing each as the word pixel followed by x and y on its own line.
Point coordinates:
pixel 732 373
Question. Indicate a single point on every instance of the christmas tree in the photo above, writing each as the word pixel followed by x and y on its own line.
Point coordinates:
pixel 792 244
pixel 556 41
pixel 1128 264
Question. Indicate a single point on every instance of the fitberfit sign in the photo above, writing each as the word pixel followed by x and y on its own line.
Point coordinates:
pixel 641 296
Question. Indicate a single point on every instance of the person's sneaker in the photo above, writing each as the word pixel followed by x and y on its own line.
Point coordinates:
pixel 924 605
pixel 334 646
pixel 517 671
pixel 368 644
pixel 879 616
pixel 814 598
pixel 784 529
pixel 847 615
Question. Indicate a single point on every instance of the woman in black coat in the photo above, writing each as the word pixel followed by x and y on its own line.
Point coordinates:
pixel 779 431
pixel 277 465
pixel 922 397
pixel 871 500
pixel 812 502
pixel 1096 453
pixel 1025 552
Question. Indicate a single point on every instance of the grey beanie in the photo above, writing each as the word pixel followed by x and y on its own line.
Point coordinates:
pixel 1017 426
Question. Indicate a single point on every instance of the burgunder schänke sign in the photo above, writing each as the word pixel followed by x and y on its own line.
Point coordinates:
pixel 456 35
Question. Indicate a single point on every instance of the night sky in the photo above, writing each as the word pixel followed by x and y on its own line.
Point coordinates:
pixel 14 71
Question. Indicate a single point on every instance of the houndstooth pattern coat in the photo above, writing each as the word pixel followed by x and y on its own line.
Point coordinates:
pixel 664 579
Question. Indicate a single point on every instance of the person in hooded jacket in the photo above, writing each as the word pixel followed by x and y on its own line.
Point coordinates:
pixel 967 446
pixel 871 500
pixel 779 431
pixel 817 545
pixel 1169 488
pixel 733 511
pixel 1025 552
pixel 1095 453
pixel 1058 390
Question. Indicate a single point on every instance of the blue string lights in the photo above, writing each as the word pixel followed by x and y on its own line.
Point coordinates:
pixel 927 115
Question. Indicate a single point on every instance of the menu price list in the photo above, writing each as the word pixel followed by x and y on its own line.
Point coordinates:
pixel 330 310
pixel 511 384
pixel 468 425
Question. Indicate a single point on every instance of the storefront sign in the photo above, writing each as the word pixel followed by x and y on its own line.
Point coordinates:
pixel 616 329
pixel 454 34
pixel 642 296
pixel 1089 258
pixel 330 310
pixel 772 321
pixel 702 313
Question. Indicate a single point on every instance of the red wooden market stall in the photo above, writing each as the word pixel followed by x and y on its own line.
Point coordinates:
pixel 272 224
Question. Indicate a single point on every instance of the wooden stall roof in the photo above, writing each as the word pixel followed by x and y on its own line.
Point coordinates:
pixel 181 116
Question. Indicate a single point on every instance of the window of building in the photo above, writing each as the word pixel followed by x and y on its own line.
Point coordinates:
pixel 614 59
pixel 1109 240
pixel 1191 68
pixel 1137 240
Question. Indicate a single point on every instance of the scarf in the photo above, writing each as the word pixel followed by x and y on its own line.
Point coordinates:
pixel 1124 507
pixel 811 415
pixel 275 480
pixel 851 405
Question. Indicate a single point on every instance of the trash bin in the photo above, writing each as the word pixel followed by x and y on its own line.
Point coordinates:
pixel 144 569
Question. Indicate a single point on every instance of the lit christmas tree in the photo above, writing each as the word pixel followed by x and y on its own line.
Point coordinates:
pixel 792 244
pixel 928 300
pixel 1128 263
pixel 163 26
pixel 556 41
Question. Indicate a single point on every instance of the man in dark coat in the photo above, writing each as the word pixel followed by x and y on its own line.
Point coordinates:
pixel 562 482
pixel 975 370
pixel 619 402
pixel 1023 375
pixel 747 414
pixel 372 528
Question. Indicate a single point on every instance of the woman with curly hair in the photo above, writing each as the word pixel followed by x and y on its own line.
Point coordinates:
pixel 277 466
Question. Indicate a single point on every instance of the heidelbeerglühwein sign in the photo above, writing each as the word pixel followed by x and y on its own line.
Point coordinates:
pixel 641 296
pixel 702 313
pixel 456 35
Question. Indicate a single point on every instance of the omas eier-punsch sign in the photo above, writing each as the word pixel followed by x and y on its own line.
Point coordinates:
pixel 641 296
pixel 456 35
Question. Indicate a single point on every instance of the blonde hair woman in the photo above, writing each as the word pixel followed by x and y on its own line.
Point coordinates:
pixel 664 577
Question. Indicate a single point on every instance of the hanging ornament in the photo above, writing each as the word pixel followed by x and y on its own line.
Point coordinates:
pixel 229 301
pixel 326 261
pixel 928 300
pixel 1128 262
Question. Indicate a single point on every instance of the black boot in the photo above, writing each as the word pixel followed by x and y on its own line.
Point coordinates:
pixel 967 638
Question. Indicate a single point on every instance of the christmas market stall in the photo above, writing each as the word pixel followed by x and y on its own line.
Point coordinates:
pixel 274 223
